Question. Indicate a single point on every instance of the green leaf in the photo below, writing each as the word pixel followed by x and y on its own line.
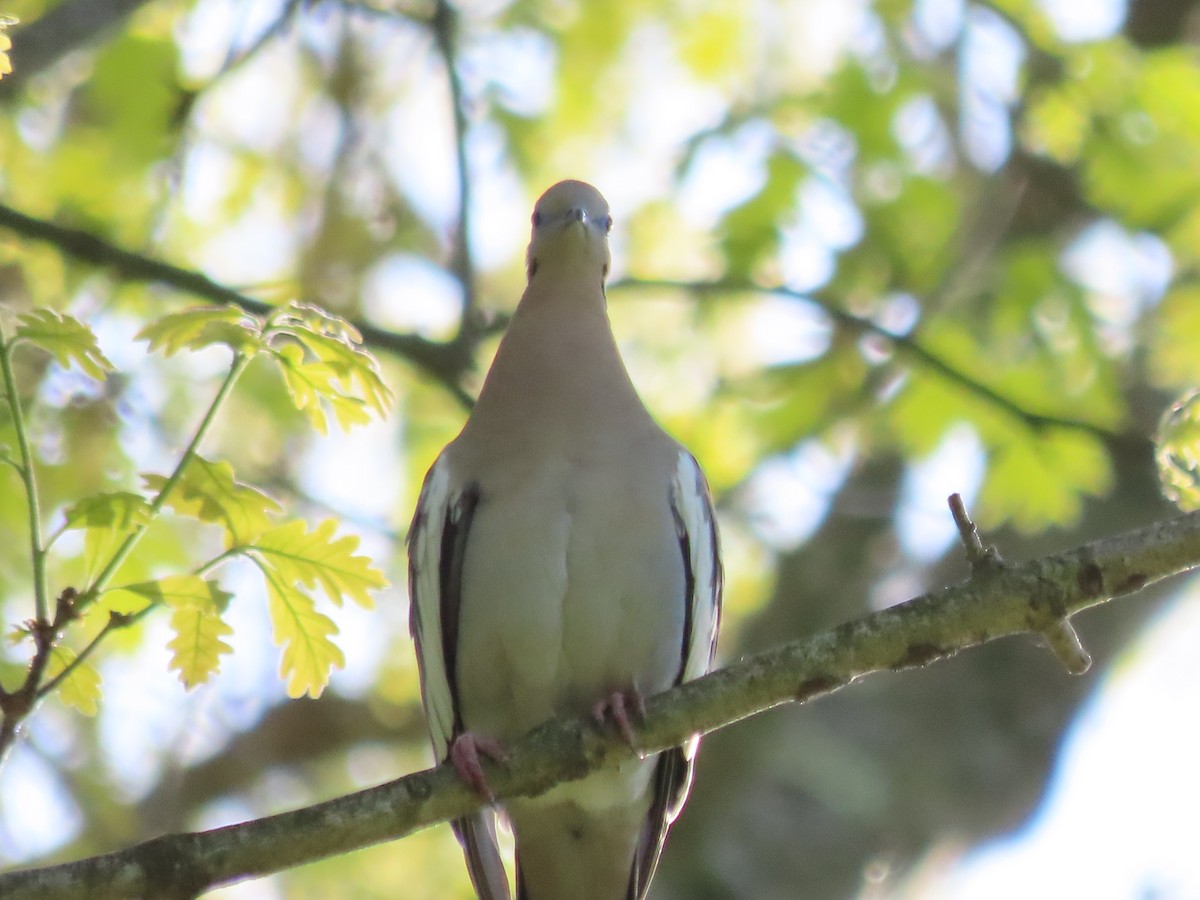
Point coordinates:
pixel 357 370
pixel 65 338
pixel 294 561
pixel 5 45
pixel 209 492
pixel 119 510
pixel 1037 480
pixel 327 368
pixel 1177 452
pixel 106 519
pixel 194 329
pixel 311 383
pixel 309 653
pixel 196 607
pixel 181 591
pixel 315 559
pixel 79 690
pixel 197 648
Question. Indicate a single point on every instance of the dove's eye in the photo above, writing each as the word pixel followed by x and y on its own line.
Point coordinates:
pixel 607 224
pixel 537 218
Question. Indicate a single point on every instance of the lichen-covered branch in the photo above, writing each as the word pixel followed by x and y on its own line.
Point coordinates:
pixel 1037 597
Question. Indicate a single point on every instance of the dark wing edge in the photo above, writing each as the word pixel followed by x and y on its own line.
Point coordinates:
pixel 699 545
pixel 437 541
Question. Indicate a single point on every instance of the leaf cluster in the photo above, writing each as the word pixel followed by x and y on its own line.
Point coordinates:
pixel 329 376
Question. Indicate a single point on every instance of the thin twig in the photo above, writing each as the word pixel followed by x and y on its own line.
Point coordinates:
pixel 37 547
pixel 981 556
pixel 116 621
pixel 16 705
pixel 97 587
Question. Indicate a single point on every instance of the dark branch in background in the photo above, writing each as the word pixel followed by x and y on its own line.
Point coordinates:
pixel 44 41
pixel 445 27
pixel 448 362
pixel 1157 23
pixel 444 361
pixel 1034 597
pixel 903 344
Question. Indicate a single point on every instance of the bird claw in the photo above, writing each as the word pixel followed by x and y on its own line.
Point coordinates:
pixel 465 751
pixel 617 706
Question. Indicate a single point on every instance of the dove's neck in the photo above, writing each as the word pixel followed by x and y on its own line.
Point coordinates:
pixel 557 373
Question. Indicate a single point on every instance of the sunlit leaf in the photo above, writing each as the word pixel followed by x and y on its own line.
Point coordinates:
pixel 5 45
pixel 81 689
pixel 313 319
pixel 65 338
pixel 209 492
pixel 123 601
pixel 309 653
pixel 196 606
pixel 106 519
pixel 120 510
pixel 357 370
pixel 180 591
pixel 328 369
pixel 201 327
pixel 316 386
pixel 318 559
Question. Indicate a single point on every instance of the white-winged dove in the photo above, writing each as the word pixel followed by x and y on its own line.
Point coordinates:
pixel 563 558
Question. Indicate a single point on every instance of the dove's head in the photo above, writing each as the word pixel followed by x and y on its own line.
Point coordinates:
pixel 570 227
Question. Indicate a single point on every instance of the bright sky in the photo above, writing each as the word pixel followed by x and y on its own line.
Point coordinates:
pixel 1120 817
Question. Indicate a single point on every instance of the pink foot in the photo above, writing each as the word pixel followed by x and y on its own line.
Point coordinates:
pixel 617 706
pixel 464 754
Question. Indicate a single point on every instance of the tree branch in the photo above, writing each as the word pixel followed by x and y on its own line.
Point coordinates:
pixel 1037 596
pixel 446 362
pixel 903 344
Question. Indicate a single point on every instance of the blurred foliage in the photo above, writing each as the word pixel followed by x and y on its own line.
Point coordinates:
pixel 845 232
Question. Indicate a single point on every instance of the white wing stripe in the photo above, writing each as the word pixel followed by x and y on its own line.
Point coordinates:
pixel 425 541
pixel 689 495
